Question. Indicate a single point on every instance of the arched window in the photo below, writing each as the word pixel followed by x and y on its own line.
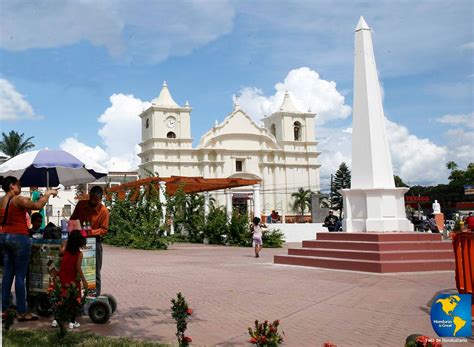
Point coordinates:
pixel 273 130
pixel 171 135
pixel 297 131
pixel 147 123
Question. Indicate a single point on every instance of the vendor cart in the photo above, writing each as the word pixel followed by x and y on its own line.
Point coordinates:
pixel 45 258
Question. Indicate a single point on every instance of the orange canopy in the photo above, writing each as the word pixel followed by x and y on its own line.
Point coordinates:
pixel 188 184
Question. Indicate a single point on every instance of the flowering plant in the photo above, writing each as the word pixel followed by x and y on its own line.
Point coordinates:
pixel 265 334
pixel 181 312
pixel 66 302
pixel 8 317
pixel 417 340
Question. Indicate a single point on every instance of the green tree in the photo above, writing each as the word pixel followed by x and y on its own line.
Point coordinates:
pixel 461 176
pixel 342 180
pixel 302 201
pixel 136 222
pixel 449 194
pixel 14 144
pixel 399 182
pixel 451 165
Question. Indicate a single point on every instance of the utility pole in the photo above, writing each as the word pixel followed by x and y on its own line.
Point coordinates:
pixel 330 193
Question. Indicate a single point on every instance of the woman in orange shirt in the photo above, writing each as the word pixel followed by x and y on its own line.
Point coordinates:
pixel 15 242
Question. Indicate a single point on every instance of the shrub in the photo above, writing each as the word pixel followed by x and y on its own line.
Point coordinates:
pixel 239 230
pixel 265 334
pixel 181 312
pixel 136 223
pixel 216 226
pixel 273 238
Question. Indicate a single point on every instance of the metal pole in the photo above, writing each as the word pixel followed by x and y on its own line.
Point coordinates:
pixel 330 193
pixel 47 201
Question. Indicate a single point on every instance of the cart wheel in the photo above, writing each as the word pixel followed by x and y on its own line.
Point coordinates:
pixel 42 305
pixel 112 301
pixel 100 312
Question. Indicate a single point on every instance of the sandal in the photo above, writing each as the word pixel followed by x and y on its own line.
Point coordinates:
pixel 27 317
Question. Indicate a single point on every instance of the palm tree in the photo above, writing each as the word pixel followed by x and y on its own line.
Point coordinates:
pixel 302 200
pixel 13 143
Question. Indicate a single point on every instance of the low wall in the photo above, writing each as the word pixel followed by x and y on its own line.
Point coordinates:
pixel 299 232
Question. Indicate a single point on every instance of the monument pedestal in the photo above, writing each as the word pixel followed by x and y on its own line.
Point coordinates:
pixel 383 252
pixel 375 210
pixel 439 219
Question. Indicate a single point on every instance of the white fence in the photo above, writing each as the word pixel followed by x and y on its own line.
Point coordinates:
pixel 298 232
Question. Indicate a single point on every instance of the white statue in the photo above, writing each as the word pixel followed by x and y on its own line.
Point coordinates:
pixel 436 207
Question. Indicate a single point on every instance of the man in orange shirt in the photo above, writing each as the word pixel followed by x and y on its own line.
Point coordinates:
pixel 96 214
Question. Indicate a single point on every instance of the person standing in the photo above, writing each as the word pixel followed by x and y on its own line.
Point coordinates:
pixel 16 243
pixel 94 213
pixel 71 270
pixel 35 196
pixel 257 236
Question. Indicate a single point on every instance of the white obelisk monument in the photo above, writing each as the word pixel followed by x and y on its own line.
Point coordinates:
pixel 372 204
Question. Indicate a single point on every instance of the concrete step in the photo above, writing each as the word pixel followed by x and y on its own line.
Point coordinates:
pixel 379 246
pixel 378 237
pixel 366 265
pixel 373 255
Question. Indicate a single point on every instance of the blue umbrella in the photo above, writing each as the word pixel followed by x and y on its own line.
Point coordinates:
pixel 49 168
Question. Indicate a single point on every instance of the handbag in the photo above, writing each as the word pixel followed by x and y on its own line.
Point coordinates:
pixel 6 212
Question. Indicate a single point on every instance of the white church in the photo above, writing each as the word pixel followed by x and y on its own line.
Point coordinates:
pixel 281 152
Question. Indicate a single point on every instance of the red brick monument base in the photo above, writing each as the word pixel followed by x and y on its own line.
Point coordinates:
pixel 373 252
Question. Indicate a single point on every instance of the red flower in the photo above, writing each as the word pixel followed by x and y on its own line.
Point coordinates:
pixel 263 339
pixel 187 339
pixel 272 329
pixel 423 340
pixel 189 311
pixel 253 340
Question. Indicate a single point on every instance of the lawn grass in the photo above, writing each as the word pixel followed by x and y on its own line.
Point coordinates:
pixel 34 338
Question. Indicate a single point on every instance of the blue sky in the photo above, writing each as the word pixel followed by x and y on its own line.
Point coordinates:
pixel 74 74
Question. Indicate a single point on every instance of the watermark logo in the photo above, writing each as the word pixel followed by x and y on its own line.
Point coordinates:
pixel 451 315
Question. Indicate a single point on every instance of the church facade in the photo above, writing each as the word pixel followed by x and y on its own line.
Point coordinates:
pixel 281 152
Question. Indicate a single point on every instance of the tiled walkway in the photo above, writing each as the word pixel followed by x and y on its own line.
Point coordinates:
pixel 228 289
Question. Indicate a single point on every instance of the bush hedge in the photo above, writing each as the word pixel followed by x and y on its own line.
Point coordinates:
pixel 136 223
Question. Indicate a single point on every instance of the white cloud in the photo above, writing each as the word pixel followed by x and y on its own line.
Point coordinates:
pixel 73 146
pixel 307 91
pixel 458 119
pixel 13 105
pixel 335 147
pixel 467 46
pixel 415 160
pixel 143 30
pixel 461 144
pixel 120 133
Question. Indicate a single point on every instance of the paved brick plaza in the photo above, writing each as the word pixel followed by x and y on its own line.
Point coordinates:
pixel 228 289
